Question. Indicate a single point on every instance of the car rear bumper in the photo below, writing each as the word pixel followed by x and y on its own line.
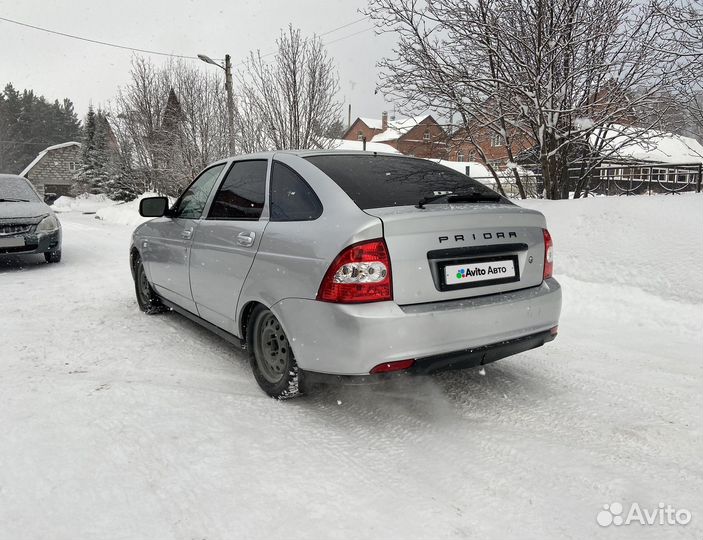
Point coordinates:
pixel 34 243
pixel 467 358
pixel 348 339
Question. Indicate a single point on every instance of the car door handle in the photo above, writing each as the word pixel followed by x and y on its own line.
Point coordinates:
pixel 246 239
pixel 187 233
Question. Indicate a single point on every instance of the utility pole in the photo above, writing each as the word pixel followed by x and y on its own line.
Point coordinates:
pixel 230 103
pixel 230 95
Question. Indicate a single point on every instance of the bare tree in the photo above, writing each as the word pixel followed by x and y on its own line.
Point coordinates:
pixel 685 19
pixel 291 102
pixel 572 77
pixel 171 121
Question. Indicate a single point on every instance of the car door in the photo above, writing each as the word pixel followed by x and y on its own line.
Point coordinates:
pixel 167 250
pixel 227 240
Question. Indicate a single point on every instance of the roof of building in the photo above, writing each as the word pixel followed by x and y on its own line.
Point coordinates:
pixel 44 152
pixel 373 123
pixel 398 128
pixel 626 142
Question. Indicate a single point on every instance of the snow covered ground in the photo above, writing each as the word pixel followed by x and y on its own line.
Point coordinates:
pixel 116 425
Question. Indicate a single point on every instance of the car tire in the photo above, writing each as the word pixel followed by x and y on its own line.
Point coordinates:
pixel 271 357
pixel 149 302
pixel 53 256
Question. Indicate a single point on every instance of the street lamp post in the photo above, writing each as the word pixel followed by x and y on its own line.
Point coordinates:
pixel 230 95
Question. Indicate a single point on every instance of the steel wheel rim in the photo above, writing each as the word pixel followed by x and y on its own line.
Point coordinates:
pixel 273 349
pixel 143 285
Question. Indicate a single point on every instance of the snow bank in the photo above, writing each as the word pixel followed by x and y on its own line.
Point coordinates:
pixel 343 144
pixel 119 425
pixel 124 213
pixel 651 242
pixel 82 203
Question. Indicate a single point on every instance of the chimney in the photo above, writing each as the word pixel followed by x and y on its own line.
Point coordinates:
pixel 384 120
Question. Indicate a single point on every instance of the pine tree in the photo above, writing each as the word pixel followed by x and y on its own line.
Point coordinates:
pixel 28 124
pixel 87 171
pixel 101 170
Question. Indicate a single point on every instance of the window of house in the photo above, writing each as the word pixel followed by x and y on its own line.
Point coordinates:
pixel 360 136
pixel 427 136
pixel 496 140
pixel 292 199
pixel 459 156
pixel 72 166
pixel 242 193
pixel 472 155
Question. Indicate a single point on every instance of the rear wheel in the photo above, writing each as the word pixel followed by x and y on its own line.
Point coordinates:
pixel 53 256
pixel 271 357
pixel 148 300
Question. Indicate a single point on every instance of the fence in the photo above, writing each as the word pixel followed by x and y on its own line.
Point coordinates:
pixel 619 179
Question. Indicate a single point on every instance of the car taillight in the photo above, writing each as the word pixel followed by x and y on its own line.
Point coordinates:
pixel 360 273
pixel 548 255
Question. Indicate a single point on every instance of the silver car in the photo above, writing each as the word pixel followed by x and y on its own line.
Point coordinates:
pixel 349 266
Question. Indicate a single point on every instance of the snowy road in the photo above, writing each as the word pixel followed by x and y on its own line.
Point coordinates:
pixel 116 425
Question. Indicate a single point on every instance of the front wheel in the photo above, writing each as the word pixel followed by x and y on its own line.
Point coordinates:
pixel 148 300
pixel 271 357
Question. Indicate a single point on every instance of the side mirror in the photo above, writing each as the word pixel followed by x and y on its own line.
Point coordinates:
pixel 153 206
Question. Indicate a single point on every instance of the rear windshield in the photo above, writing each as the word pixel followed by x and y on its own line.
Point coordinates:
pixel 373 181
pixel 12 187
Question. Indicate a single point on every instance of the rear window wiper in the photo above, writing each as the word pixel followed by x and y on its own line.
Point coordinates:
pixel 467 196
pixel 13 200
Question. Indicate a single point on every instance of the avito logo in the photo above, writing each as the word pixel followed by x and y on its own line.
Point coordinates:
pixel 468 272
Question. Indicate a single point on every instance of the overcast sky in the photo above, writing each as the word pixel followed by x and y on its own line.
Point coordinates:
pixel 60 67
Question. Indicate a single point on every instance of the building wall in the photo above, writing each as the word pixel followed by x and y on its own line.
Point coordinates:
pixel 54 170
pixel 357 127
pixel 414 143
pixel 494 148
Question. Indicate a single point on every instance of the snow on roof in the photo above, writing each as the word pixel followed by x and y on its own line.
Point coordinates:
pixel 43 153
pixel 342 144
pixel 476 169
pixel 653 146
pixel 373 123
pixel 398 128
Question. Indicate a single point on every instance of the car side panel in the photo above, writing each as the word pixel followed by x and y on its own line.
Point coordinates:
pixel 294 255
pixel 165 253
pixel 219 265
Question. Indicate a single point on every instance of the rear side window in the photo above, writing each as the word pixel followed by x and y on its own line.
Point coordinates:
pixel 292 199
pixel 241 195
pixel 382 181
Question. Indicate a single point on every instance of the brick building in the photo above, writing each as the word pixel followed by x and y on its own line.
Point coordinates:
pixel 54 170
pixel 420 136
pixel 463 148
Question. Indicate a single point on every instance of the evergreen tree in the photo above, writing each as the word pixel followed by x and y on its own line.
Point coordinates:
pixel 28 124
pixel 87 170
pixel 99 168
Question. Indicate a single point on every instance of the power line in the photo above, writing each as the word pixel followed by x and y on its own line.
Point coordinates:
pixel 161 53
pixel 350 35
pixel 243 62
pixel 343 26
pixel 96 41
